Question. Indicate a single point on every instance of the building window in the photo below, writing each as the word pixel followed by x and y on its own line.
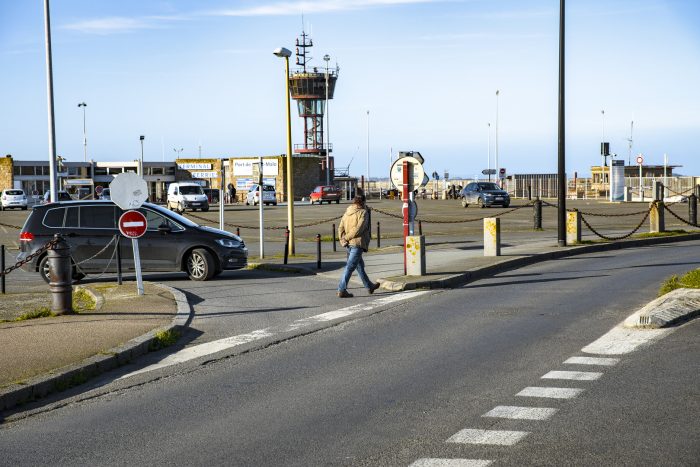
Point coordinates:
pixel 100 171
pixel 26 170
pixel 157 171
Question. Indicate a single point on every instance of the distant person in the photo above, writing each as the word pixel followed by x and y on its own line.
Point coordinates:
pixel 231 193
pixel 355 233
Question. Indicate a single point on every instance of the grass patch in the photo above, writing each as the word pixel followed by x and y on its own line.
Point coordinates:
pixel 164 339
pixel 43 312
pixel 83 301
pixel 690 280
pixel 668 233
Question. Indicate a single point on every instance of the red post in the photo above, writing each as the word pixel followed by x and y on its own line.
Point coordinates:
pixel 404 198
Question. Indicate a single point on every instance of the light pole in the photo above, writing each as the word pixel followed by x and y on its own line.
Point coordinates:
pixel 328 167
pixel 496 155
pixel 141 138
pixel 177 152
pixel 49 98
pixel 488 152
pixel 84 106
pixel 368 152
pixel 285 53
pixel 561 146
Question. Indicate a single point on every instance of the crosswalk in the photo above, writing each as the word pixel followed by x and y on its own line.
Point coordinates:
pixel 618 341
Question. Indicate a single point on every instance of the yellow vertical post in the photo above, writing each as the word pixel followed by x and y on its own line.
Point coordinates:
pixel 492 236
pixel 573 227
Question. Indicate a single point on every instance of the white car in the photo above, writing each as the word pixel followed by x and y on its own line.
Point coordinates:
pixel 186 195
pixel 13 198
pixel 253 195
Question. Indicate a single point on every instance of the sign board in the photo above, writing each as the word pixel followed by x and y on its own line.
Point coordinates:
pixel 244 167
pixel 414 154
pixel 397 173
pixel 98 190
pixel 132 224
pixel 489 171
pixel 128 191
pixel 617 180
pixel 204 174
pixel 77 181
pixel 194 166
pixel 640 159
pixel 502 172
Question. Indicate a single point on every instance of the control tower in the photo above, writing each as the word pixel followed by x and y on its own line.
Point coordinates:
pixel 307 86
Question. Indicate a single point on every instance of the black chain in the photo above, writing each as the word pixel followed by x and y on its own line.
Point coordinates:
pixel 680 218
pixel 612 239
pixel 242 226
pixel 596 214
pixel 679 194
pixel 50 244
pixel 459 221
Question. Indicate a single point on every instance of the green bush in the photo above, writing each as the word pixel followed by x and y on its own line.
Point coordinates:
pixel 690 280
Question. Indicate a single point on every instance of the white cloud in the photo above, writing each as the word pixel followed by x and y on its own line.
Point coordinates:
pixel 312 6
pixel 112 25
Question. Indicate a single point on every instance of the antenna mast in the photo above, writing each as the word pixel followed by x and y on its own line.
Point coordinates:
pixel 629 140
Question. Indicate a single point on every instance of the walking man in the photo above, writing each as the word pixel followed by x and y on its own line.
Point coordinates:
pixel 354 233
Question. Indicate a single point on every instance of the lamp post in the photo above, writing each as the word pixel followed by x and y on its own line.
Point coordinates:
pixel 49 97
pixel 84 106
pixel 368 152
pixel 496 154
pixel 328 167
pixel 177 152
pixel 141 138
pixel 285 53
pixel 561 146
pixel 488 151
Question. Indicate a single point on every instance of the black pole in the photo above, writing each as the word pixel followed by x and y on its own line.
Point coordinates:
pixel 119 260
pixel 537 205
pixel 692 210
pixel 2 269
pixel 334 239
pixel 379 234
pixel 561 174
pixel 318 251
pixel 420 227
pixel 238 231
pixel 286 245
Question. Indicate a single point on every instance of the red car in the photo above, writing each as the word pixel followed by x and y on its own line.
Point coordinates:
pixel 325 193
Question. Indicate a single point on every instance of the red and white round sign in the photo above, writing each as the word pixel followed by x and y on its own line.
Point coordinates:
pixel 132 224
pixel 640 159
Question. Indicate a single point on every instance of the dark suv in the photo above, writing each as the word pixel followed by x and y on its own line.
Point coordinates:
pixel 171 242
pixel 484 194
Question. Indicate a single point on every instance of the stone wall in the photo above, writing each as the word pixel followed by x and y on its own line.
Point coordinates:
pixel 6 176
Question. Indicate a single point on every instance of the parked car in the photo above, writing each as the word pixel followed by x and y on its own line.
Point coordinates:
pixel 484 194
pixel 326 194
pixel 13 199
pixel 62 196
pixel 253 195
pixel 171 242
pixel 187 195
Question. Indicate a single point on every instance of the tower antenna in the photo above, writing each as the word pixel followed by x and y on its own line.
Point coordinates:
pixel 630 141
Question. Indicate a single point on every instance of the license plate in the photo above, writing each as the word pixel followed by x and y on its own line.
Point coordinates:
pixel 499 198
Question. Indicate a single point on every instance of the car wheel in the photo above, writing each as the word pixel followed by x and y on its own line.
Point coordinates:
pixel 180 208
pixel 44 268
pixel 480 202
pixel 24 208
pixel 505 205
pixel 205 209
pixel 464 202
pixel 200 265
pixel 337 201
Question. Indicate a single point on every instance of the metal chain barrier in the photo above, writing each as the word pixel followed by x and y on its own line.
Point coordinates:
pixel 114 238
pixel 680 218
pixel 459 221
pixel 50 244
pixel 596 214
pixel 679 194
pixel 111 258
pixel 242 226
pixel 612 239
pixel 10 226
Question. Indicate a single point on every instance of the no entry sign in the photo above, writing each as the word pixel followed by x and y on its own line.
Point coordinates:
pixel 132 224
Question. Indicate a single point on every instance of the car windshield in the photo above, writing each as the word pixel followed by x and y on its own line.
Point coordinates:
pixel 191 190
pixel 489 186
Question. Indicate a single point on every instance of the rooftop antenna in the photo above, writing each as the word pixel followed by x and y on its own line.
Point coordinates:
pixel 630 141
pixel 301 52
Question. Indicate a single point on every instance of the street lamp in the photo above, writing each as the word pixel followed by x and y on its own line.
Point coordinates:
pixel 142 137
pixel 84 106
pixel 328 170
pixel 285 53
pixel 177 152
pixel 367 152
pixel 496 155
pixel 488 151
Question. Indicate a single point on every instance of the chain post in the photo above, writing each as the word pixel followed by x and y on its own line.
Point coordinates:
pixel 318 251
pixel 60 274
pixel 379 234
pixel 238 231
pixel 119 260
pixel 693 209
pixel 334 238
pixel 2 268
pixel 286 245
pixel 537 205
pixel 420 227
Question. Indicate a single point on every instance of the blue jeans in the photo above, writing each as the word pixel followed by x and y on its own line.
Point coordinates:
pixel 355 261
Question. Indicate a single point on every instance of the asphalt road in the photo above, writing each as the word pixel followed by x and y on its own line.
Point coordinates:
pixel 393 387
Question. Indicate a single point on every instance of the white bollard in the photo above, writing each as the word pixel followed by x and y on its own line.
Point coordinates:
pixel 415 255
pixel 573 227
pixel 492 236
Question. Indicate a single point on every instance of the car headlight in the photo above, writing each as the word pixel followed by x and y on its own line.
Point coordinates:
pixel 229 242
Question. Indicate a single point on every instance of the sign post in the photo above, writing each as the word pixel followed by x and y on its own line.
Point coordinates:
pixel 640 161
pixel 408 174
pixel 129 191
pixel 132 224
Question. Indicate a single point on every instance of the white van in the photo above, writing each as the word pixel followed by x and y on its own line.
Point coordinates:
pixel 186 195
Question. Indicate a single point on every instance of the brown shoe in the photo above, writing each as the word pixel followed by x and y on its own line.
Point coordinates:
pixel 344 294
pixel 373 287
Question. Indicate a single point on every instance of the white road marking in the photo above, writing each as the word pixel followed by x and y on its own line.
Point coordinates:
pixel 593 361
pixel 208 348
pixel 621 340
pixel 133 224
pixel 575 375
pixel 552 393
pixel 520 413
pixel 498 437
pixel 450 463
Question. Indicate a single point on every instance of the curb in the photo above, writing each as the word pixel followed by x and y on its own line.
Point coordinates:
pixel 672 308
pixel 78 373
pixel 456 280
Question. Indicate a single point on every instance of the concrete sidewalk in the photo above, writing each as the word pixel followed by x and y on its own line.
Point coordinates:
pixel 45 355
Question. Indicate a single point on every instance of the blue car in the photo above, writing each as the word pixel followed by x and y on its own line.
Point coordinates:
pixel 484 194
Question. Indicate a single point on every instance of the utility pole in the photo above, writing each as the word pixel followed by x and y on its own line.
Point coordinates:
pixel 561 172
pixel 49 88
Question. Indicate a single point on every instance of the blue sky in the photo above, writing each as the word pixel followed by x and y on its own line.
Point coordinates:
pixel 185 73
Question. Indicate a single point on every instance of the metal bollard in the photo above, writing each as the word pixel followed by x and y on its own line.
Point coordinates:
pixel 119 260
pixel 693 209
pixel 60 274
pixel 537 206
pixel 420 227
pixel 379 235
pixel 238 231
pixel 2 268
pixel 656 217
pixel 334 239
pixel 286 245
pixel 529 192
pixel 318 251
